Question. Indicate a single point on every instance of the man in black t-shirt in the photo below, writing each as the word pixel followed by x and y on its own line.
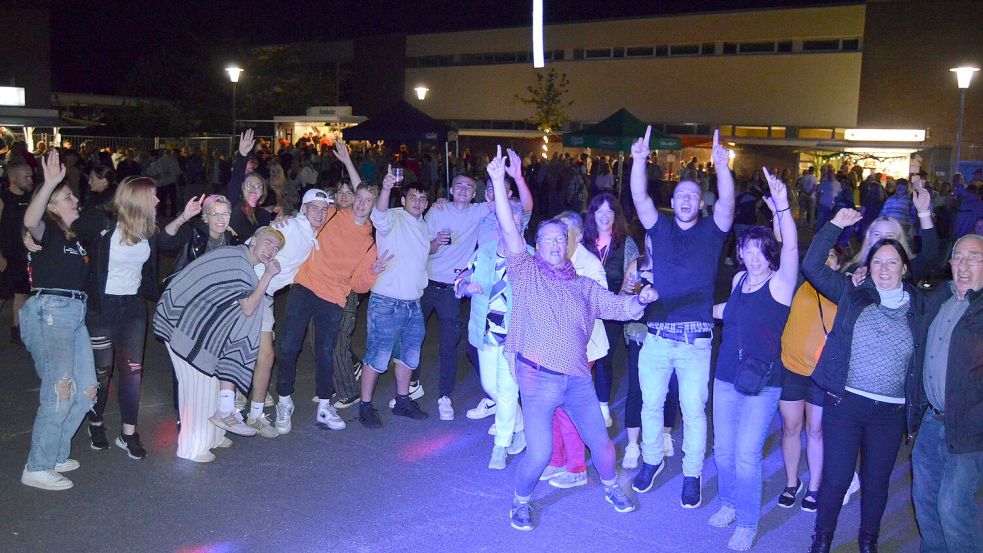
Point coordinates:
pixel 14 199
pixel 684 253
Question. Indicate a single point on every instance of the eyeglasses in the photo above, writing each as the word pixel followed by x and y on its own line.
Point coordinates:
pixel 219 214
pixel 252 186
pixel 970 260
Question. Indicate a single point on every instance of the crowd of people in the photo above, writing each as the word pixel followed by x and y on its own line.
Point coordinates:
pixel 862 343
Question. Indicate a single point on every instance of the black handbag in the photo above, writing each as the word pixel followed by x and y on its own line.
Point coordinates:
pixel 752 374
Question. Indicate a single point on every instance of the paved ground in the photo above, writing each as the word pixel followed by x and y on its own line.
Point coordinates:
pixel 411 486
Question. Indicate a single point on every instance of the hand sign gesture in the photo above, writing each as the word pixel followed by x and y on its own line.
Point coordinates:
pixel 921 198
pixel 246 143
pixel 193 208
pixel 380 263
pixel 720 155
pixel 514 168
pixel 496 167
pixel 779 192
pixel 341 151
pixel 640 149
pixel 389 180
pixel 54 171
pixel 846 217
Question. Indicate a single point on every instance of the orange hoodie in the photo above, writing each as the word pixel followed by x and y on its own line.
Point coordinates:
pixel 341 261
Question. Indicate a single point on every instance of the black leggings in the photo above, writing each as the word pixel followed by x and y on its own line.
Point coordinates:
pixel 118 333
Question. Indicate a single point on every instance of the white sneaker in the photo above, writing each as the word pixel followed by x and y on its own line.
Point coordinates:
pixel 518 443
pixel 68 465
pixel 240 401
pixel 854 487
pixel 263 427
pixel 45 480
pixel 327 417
pixel 569 480
pixel 498 459
pixel 632 452
pixel 224 443
pixel 485 408
pixel 492 430
pixel 416 390
pixel 284 410
pixel 232 422
pixel 445 408
pixel 205 457
pixel 551 472
pixel 606 412
pixel 667 447
pixel 316 399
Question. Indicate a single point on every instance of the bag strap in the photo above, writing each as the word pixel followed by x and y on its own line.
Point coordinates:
pixel 740 335
pixel 822 317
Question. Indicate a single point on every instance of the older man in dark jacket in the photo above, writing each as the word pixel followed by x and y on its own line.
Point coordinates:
pixel 947 460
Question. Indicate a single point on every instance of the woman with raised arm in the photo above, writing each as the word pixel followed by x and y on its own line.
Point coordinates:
pixel 53 330
pixel 547 352
pixel 747 381
pixel 871 370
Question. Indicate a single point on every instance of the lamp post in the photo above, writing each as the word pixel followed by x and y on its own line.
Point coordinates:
pixel 421 92
pixel 964 75
pixel 234 71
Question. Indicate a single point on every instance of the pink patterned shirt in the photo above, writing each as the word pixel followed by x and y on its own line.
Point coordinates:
pixel 552 319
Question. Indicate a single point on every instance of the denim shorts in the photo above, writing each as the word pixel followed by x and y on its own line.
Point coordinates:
pixel 395 329
pixel 796 387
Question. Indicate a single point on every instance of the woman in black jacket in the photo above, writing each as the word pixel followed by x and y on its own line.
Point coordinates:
pixel 870 369
pixel 192 237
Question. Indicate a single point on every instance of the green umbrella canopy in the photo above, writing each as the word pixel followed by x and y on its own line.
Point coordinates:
pixel 618 132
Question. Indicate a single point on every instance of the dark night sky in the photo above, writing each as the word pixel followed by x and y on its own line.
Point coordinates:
pixel 95 44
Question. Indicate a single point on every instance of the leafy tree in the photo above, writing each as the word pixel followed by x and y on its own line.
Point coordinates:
pixel 547 97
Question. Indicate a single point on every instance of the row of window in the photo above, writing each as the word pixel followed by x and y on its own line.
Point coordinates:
pixel 680 129
pixel 851 44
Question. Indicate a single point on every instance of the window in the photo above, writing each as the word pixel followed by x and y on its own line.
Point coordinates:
pixel 684 49
pixel 730 47
pixel 816 134
pixel 662 50
pixel 555 55
pixel 851 44
pixel 820 45
pixel 640 51
pixel 726 130
pixel 578 53
pixel 618 52
pixel 595 53
pixel 751 132
pixel 708 48
pixel 756 47
pixel 778 132
pixel 785 46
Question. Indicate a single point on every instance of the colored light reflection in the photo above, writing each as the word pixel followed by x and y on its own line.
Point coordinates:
pixel 427 447
pixel 220 547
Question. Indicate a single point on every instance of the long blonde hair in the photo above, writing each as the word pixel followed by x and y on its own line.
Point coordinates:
pixel 134 208
pixel 52 214
pixel 900 235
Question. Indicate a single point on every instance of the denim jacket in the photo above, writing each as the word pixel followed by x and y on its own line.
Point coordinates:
pixel 481 270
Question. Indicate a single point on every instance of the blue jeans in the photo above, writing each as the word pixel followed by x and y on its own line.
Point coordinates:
pixel 448 310
pixel 943 485
pixel 740 427
pixel 542 392
pixel 53 329
pixel 302 306
pixel 394 328
pixel 657 360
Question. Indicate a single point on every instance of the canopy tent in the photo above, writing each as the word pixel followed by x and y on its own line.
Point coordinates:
pixel 402 123
pixel 618 132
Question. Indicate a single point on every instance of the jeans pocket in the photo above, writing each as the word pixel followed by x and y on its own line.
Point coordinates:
pixel 701 344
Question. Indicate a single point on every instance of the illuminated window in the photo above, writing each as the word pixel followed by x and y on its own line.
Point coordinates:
pixel 726 130
pixel 778 132
pixel 751 132
pixel 816 134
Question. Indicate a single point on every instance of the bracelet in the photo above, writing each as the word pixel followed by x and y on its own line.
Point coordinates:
pixel 924 213
pixel 781 210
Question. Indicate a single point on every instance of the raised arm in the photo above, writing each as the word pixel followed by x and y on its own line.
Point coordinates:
pixel 510 234
pixel 341 152
pixel 193 208
pixel 928 258
pixel 723 209
pixel 783 286
pixel 644 206
pixel 234 188
pixel 54 173
pixel 828 282
pixel 514 170
pixel 382 202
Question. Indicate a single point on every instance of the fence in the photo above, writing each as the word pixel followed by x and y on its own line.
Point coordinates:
pixel 221 143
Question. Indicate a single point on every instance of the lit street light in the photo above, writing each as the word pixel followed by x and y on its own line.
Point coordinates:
pixel 421 92
pixel 964 75
pixel 234 71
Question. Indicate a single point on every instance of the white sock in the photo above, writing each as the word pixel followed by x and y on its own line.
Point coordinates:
pixel 255 410
pixel 322 403
pixel 286 400
pixel 226 401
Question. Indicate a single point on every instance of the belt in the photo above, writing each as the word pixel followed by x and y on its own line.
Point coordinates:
pixel 74 294
pixel 536 366
pixel 442 285
pixel 686 337
pixel 938 415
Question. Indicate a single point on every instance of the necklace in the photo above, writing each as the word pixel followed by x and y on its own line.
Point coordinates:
pixel 751 286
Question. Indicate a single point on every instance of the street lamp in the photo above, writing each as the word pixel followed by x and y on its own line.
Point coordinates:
pixel 421 92
pixel 234 71
pixel 964 75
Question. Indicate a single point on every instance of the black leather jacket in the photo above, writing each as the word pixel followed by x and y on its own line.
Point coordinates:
pixel 191 242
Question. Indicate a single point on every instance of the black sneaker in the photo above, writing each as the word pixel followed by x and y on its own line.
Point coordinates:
pixel 346 402
pixel 645 478
pixel 368 416
pixel 406 407
pixel 810 502
pixel 97 437
pixel 787 499
pixel 132 445
pixel 521 516
pixel 692 494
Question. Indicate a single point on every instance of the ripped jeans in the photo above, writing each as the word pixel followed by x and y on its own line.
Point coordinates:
pixel 118 334
pixel 53 329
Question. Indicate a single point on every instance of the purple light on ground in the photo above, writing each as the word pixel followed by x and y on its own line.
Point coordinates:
pixel 427 447
pixel 220 547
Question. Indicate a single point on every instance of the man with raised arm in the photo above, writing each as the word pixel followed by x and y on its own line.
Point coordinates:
pixel 686 250
pixel 553 310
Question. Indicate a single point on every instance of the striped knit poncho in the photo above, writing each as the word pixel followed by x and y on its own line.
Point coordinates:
pixel 199 315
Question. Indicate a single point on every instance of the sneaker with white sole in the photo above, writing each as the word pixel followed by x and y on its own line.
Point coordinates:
pixel 346 402
pixel 132 445
pixel 632 453
pixel 327 417
pixel 416 392
pixel 232 422
pixel 616 496
pixel 569 480
pixel 263 426
pixel 606 413
pixel 68 465
pixel 224 443
pixel 284 410
pixel 667 446
pixel 485 408
pixel 204 457
pixel 551 472
pixel 518 443
pixel 520 516
pixel 492 430
pixel 498 459
pixel 445 408
pixel 45 480
pixel 241 401
pixel 854 488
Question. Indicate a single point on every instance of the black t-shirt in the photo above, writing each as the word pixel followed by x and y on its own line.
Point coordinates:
pixel 243 227
pixel 61 263
pixel 11 223
pixel 684 270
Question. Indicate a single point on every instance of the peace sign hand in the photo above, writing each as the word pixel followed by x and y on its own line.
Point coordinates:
pixel 380 263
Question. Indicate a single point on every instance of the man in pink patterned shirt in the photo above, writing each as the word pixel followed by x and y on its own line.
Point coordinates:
pixel 553 312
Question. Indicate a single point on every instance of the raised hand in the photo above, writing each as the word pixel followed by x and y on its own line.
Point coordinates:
pixel 640 149
pixel 496 167
pixel 647 295
pixel 859 275
pixel 779 192
pixel 380 262
pixel 341 151
pixel 389 180
pixel 921 198
pixel 720 155
pixel 272 268
pixel 54 171
pixel 514 168
pixel 846 217
pixel 246 143
pixel 193 208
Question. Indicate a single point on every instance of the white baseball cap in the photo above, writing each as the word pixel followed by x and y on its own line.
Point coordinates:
pixel 315 194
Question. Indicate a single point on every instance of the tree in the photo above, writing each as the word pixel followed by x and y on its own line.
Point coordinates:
pixel 547 97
